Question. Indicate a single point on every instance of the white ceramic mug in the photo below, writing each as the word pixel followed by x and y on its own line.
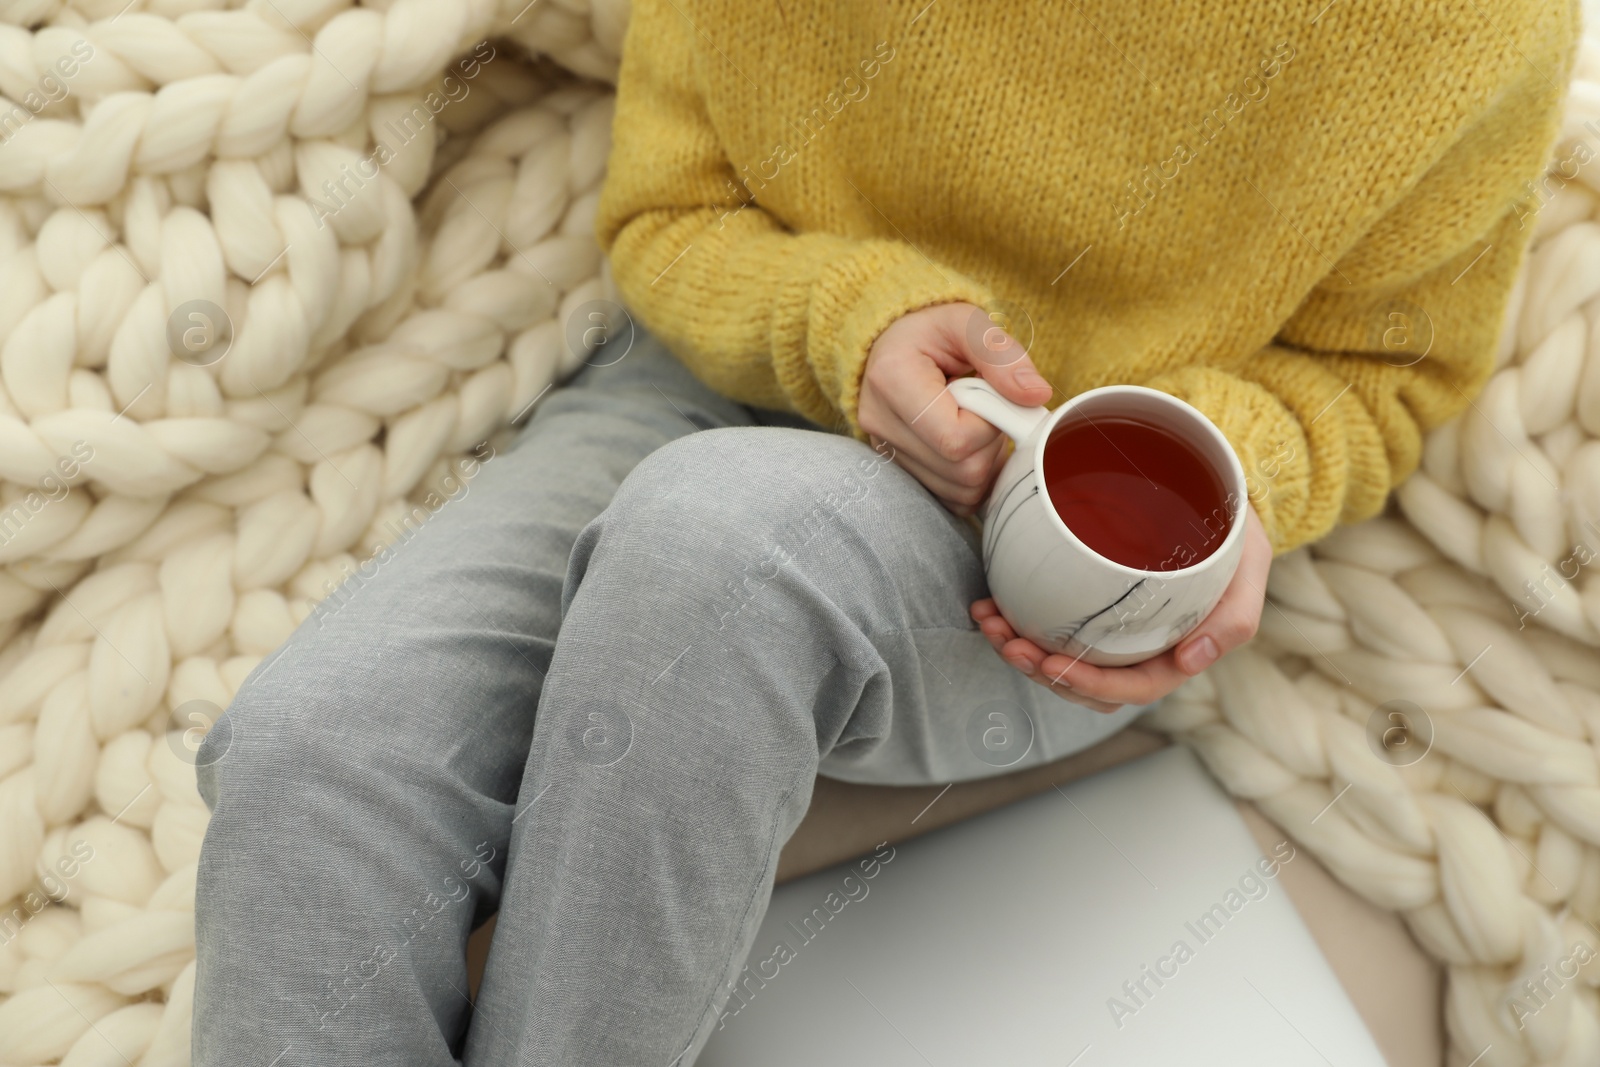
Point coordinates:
pixel 1053 588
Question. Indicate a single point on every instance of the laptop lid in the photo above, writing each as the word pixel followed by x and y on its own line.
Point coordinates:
pixel 1128 918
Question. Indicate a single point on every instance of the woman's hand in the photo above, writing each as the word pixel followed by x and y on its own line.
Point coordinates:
pixel 903 400
pixel 1231 623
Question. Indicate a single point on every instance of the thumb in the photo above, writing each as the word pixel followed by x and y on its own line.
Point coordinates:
pixel 1001 361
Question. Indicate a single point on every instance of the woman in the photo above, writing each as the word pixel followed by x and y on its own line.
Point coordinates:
pixel 595 692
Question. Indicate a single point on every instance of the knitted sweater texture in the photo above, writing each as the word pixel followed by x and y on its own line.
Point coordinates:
pixel 1303 218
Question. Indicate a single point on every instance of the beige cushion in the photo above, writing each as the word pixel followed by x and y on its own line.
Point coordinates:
pixel 1394 986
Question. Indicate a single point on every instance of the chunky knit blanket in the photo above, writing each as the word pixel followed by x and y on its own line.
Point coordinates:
pixel 270 274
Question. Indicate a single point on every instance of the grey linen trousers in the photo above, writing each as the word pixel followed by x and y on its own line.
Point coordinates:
pixel 592 692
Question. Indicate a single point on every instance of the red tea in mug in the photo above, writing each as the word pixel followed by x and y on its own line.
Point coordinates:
pixel 1135 492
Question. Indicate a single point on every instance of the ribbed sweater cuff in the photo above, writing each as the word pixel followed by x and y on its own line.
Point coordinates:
pixel 854 298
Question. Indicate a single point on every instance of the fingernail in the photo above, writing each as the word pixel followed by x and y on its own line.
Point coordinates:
pixel 1029 378
pixel 1202 655
pixel 1021 663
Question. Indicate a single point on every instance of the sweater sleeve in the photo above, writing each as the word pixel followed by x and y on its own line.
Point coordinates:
pixel 759 313
pixel 1399 337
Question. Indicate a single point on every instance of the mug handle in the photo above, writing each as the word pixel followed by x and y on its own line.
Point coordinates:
pixel 984 400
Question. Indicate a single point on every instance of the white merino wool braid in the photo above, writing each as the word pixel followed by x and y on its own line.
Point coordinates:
pixel 372 354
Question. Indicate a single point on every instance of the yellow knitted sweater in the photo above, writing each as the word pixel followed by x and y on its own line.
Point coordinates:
pixel 1302 217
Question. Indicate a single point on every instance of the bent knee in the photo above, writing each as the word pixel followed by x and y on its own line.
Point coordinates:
pixel 295 723
pixel 716 517
pixel 773 484
pixel 265 732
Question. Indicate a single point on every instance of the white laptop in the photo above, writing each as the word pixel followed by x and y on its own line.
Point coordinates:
pixel 1124 919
